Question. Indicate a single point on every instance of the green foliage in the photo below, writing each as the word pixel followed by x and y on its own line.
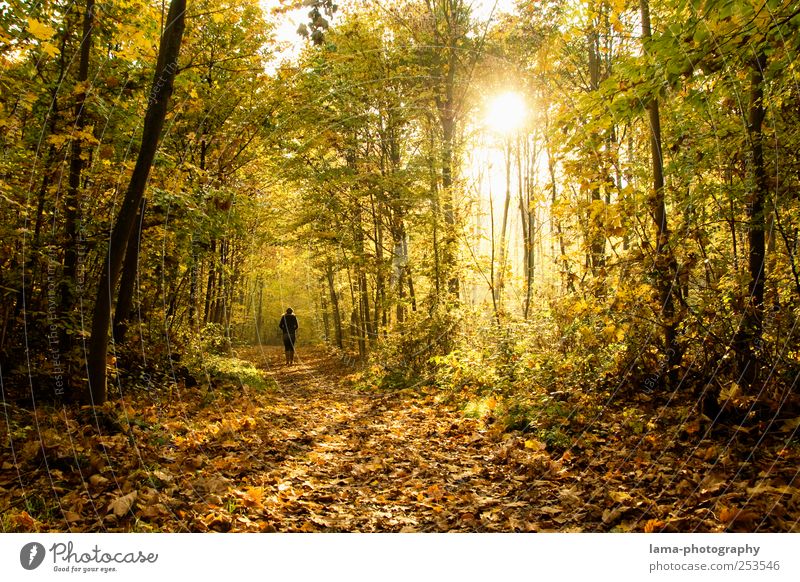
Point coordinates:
pixel 214 340
pixel 231 372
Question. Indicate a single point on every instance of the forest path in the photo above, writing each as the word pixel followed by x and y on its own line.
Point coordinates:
pixel 332 457
pixel 308 448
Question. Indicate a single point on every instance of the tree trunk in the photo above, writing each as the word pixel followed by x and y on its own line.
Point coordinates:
pixel 127 285
pixel 71 200
pixel 166 68
pixel 664 261
pixel 335 310
pixel 597 238
pixel 748 337
pixel 193 286
pixel 211 278
pixel 525 181
pixel 501 269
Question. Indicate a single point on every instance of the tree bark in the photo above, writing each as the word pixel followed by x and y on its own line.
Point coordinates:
pixel 335 310
pixel 501 269
pixel 166 68
pixel 748 337
pixel 127 285
pixel 665 262
pixel 71 200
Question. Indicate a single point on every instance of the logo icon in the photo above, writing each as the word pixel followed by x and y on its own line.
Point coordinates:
pixel 31 555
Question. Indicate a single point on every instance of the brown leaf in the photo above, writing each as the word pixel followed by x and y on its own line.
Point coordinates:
pixel 122 505
pixel 71 516
pixel 156 510
pixel 194 463
pixel 217 522
pixel 468 517
pixel 24 521
pixel 97 480
pixel 611 516
pixel 731 515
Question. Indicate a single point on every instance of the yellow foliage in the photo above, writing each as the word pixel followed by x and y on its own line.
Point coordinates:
pixel 40 30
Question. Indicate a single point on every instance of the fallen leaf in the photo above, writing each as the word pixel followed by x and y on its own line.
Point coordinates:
pixel 97 480
pixel 122 505
pixel 620 496
pixel 653 525
pixel 252 497
pixel 72 517
pixel 535 445
pixel 24 520
pixel 611 516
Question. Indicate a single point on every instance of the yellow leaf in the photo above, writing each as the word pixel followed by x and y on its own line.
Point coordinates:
pixel 620 496
pixel 596 208
pixel 49 49
pixel 535 445
pixel 730 393
pixel 40 30
pixel 57 139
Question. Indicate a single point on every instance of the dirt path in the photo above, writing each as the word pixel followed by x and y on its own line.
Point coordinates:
pixel 333 458
pixel 302 449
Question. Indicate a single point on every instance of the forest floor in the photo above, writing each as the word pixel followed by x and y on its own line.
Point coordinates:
pixel 311 451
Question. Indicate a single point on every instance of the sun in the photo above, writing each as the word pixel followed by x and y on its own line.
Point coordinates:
pixel 506 113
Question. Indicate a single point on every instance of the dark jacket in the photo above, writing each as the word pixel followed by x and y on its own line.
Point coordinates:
pixel 288 323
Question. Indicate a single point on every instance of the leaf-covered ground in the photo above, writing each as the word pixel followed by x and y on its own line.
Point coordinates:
pixel 306 450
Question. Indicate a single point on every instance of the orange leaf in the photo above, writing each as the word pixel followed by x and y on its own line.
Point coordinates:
pixel 653 525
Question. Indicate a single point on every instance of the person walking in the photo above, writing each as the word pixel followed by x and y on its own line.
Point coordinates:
pixel 289 327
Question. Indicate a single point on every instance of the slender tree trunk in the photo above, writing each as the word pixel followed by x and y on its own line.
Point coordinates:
pixel 166 68
pixel 748 338
pixel 219 298
pixel 597 239
pixel 335 310
pixel 449 242
pixel 127 284
pixel 411 294
pixel 436 203
pixel 525 189
pixel 379 303
pixel 71 200
pixel 448 14
pixel 501 269
pixel 492 253
pixel 210 280
pixel 326 317
pixel 193 287
pixel 665 262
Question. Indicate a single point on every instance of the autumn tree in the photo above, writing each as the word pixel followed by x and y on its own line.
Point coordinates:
pixel 165 70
